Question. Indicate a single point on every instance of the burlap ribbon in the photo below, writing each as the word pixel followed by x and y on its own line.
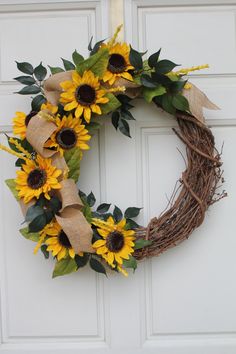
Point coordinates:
pixel 71 218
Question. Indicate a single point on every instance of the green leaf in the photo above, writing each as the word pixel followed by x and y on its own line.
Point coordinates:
pixel 38 223
pixel 55 69
pixel 165 66
pixel 91 199
pixel 103 208
pixel 29 90
pixel 68 65
pixel 96 47
pixel 97 266
pixel 130 263
pixel 97 63
pixel 180 102
pixel 37 102
pixel 131 224
pixel 126 114
pixel 93 126
pixel 55 204
pixel 140 243
pixel 33 236
pixel 117 213
pixel 40 72
pixel 33 212
pixel 115 119
pixel 44 251
pixel 149 94
pixel 124 127
pixel 147 81
pixel 11 183
pixel 72 158
pixel 25 67
pixel 25 80
pixel 135 59
pixel 81 261
pixel 167 104
pixel 132 212
pixel 153 59
pixel 161 79
pixel 177 86
pixel 111 105
pixel 64 266
pixel 77 58
pixel 87 212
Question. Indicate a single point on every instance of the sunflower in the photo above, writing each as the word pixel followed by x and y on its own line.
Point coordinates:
pixel 37 177
pixel 70 133
pixel 83 94
pixel 116 243
pixel 48 106
pixel 20 122
pixel 56 240
pixel 118 64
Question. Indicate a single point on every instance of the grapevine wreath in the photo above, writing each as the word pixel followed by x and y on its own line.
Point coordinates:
pixel 49 143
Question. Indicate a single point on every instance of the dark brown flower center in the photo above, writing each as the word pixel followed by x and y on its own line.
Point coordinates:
pixel 66 138
pixel 63 240
pixel 29 116
pixel 85 94
pixel 115 241
pixel 36 178
pixel 116 63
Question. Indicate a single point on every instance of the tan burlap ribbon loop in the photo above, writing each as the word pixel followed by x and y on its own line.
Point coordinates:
pixel 197 100
pixel 72 220
pixel 38 132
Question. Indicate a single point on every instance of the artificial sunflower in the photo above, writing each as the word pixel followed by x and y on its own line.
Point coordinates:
pixel 70 133
pixel 50 107
pixel 56 240
pixel 118 64
pixel 117 243
pixel 20 122
pixel 83 94
pixel 37 177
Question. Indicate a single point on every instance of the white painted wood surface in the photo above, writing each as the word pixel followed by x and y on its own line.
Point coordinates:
pixel 180 303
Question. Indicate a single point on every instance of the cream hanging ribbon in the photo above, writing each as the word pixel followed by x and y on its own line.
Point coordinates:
pixel 71 218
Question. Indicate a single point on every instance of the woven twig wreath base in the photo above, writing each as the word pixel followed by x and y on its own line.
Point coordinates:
pixel 198 189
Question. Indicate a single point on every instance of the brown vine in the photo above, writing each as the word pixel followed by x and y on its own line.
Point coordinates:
pixel 197 190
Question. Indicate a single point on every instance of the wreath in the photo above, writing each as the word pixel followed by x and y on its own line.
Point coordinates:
pixel 49 143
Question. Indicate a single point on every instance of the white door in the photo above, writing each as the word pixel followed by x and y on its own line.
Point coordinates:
pixel 180 303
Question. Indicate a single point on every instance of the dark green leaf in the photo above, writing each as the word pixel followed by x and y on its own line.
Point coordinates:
pixel 91 199
pixel 130 263
pixel 140 243
pixel 117 213
pixel 177 86
pixel 124 127
pixel 103 208
pixel 147 81
pixel 96 47
pixel 83 196
pixel 25 80
pixel 38 223
pixel 19 162
pixel 161 79
pixel 68 65
pixel 64 266
pixel 180 102
pixel 123 98
pixel 132 212
pixel 97 266
pixel 81 261
pixel 29 90
pixel 37 102
pixel 115 119
pixel 77 58
pixel 44 251
pixel 165 66
pixel 167 104
pixel 33 212
pixel 90 44
pixel 33 236
pixel 40 72
pixel 135 59
pixel 25 67
pixel 55 204
pixel 153 59
pixel 126 114
pixel 131 224
pixel 55 69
